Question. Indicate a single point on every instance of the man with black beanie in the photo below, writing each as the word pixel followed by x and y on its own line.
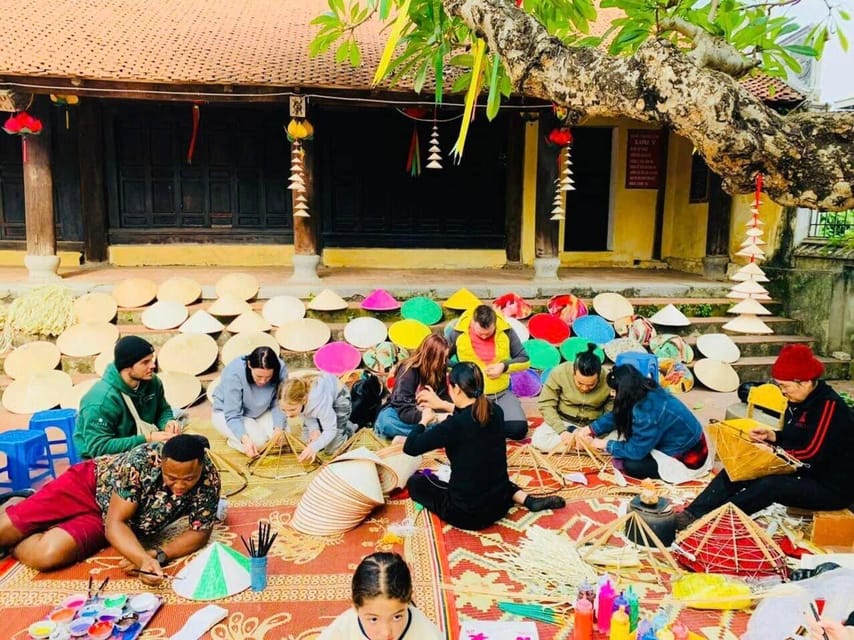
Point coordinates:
pixel 127 407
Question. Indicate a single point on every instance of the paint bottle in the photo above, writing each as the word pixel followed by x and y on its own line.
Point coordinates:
pixel 633 608
pixel 645 630
pixel 620 601
pixel 587 591
pixel 606 607
pixel 680 631
pixel 583 627
pixel 620 625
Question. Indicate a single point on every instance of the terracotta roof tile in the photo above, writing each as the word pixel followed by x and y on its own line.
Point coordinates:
pixel 770 89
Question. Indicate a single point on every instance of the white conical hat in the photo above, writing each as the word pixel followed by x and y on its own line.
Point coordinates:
pixel 95 307
pixel 212 385
pixel 327 300
pixel 72 398
pixel 243 344
pixel 216 572
pixel 365 332
pixel 737 295
pixel 747 323
pixel 30 357
pixel 37 392
pixel 239 285
pixel 403 465
pixel 670 316
pixel 135 292
pixel 179 289
pixel 611 306
pixel 164 314
pixel 228 306
pixel 303 335
pixel 750 271
pixel 181 389
pixel 751 251
pixel 716 375
pixel 280 310
pixel 201 322
pixel 718 346
pixel 751 306
pixel 249 321
pixel 521 330
pixel 190 353
pixel 362 475
pixel 750 287
pixel 88 339
pixel 101 361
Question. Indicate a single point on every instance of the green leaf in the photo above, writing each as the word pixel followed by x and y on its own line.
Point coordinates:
pixel 493 102
pixel 844 15
pixel 355 54
pixel 337 6
pixel 802 49
pixel 462 60
pixel 342 52
pixel 461 82
pixel 843 41
pixel 420 77
pixel 385 8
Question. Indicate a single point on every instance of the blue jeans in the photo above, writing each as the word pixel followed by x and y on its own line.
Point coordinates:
pixel 388 424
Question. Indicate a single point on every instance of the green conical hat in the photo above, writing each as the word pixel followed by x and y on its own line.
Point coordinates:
pixel 422 309
pixel 542 354
pixel 217 572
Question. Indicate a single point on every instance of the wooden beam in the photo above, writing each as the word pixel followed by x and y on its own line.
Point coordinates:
pixel 546 244
pixel 38 188
pixel 305 229
pixel 11 100
pixel 93 202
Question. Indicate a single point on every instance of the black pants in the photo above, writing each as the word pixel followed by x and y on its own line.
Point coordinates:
pixel 433 495
pixel 803 492
pixel 646 467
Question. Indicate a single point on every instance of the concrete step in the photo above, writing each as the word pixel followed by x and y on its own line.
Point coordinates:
pixel 769 345
pixel 758 368
pixel 779 324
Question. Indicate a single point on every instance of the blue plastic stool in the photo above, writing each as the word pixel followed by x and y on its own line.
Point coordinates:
pixel 646 363
pixel 25 451
pixel 64 420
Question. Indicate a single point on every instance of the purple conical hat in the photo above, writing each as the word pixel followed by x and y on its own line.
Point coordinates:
pixel 380 300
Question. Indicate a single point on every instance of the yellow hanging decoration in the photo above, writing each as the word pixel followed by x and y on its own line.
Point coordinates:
pixel 478 50
pixel 391 43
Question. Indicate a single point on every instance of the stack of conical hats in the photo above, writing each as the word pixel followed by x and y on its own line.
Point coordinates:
pixel 748 289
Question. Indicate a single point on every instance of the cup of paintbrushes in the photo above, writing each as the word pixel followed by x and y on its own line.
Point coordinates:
pixel 258 572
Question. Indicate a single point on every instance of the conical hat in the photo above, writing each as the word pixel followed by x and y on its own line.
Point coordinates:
pixel 212 385
pixel 612 306
pixel 101 361
pixel 164 314
pixel 670 316
pixel 303 335
pixel 641 330
pixel 365 332
pixel 380 300
pixel 462 300
pixel 389 480
pixel 382 358
pixel 716 375
pixel 179 289
pixel 747 323
pixel 521 330
pixel 181 389
pixel 571 347
pixel 718 346
pixel 750 271
pixel 526 384
pixel 72 398
pixel 403 465
pixel 511 305
pixel 549 328
pixel 37 392
pixel 408 334
pixel 249 321
pixel 567 307
pixel 242 344
pixel 675 376
pixel 216 572
pixel 543 355
pixel 337 357
pixel 31 357
pixel 668 346
pixel 228 306
pixel 280 310
pixel 751 306
pixel 327 300
pixel 87 339
pixel 749 287
pixel 201 322
pixel 240 285
pixel 422 309
pixel 190 353
pixel 615 347
pixel 361 475
pixel 593 328
pixel 135 292
pixel 95 307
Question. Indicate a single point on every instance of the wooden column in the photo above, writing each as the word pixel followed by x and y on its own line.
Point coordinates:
pixel 92 186
pixel 546 247
pixel 515 181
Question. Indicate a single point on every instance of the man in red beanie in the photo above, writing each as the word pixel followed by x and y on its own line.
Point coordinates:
pixel 818 431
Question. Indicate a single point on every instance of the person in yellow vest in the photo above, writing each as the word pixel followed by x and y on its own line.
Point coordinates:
pixel 485 338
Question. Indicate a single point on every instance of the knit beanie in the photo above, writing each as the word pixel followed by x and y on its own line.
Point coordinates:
pixel 797 362
pixel 130 350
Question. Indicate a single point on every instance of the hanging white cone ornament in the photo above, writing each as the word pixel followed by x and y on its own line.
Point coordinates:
pixel 558 212
pixel 297 181
pixel 567 183
pixel 434 160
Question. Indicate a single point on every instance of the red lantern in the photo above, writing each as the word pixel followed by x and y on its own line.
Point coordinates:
pixel 23 124
pixel 560 137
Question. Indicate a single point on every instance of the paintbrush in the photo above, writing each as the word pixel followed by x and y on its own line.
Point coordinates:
pixel 101 588
pixel 814 610
pixel 140 572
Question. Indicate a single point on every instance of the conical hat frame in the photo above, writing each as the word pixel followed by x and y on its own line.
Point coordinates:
pixel 571 456
pixel 274 453
pixel 602 535
pixel 225 466
pixel 362 438
pixel 527 456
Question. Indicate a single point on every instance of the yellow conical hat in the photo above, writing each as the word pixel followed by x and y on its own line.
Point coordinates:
pixel 462 300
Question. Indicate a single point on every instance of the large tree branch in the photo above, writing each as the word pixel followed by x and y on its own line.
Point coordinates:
pixel 710 52
pixel 806 159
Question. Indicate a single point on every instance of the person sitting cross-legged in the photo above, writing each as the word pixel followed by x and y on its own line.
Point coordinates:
pixel 115 500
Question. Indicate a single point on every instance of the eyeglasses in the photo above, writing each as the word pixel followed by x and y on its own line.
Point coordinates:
pixel 787 384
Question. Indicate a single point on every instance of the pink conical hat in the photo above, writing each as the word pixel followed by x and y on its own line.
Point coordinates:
pixel 380 300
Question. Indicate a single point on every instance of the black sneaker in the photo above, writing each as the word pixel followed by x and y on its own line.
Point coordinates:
pixel 533 503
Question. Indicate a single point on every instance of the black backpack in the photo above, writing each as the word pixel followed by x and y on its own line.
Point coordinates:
pixel 366 395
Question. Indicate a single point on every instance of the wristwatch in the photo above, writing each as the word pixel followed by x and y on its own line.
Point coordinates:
pixel 161 557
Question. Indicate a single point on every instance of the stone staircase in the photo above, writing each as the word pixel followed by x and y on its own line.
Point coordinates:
pixel 707 315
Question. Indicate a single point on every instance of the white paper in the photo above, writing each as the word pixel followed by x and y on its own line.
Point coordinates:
pixel 842 559
pixel 511 630
pixel 198 624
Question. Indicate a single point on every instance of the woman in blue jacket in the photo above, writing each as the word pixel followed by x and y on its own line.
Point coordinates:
pixel 245 410
pixel 646 417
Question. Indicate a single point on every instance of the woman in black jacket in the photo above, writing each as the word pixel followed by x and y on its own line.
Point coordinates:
pixel 479 491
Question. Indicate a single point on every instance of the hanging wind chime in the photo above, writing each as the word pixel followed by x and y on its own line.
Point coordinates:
pixel 562 137
pixel 65 101
pixel 434 160
pixel 23 124
pixel 299 130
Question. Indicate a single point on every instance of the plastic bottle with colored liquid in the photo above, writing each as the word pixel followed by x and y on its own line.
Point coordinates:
pixel 606 607
pixel 633 608
pixel 620 625
pixel 583 626
pixel 680 631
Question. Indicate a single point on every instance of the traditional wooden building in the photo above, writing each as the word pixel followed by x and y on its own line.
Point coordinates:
pixel 163 143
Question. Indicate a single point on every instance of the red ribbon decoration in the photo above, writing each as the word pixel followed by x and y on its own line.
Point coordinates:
pixel 23 124
pixel 197 114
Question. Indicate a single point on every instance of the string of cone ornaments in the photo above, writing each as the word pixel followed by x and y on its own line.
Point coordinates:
pixel 748 288
pixel 434 160
pixel 563 138
pixel 299 130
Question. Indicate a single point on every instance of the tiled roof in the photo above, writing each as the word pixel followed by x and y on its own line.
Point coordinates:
pixel 770 89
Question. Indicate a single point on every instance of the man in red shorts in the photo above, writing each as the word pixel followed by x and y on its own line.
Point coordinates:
pixel 114 500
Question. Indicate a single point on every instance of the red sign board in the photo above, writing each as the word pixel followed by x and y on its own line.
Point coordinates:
pixel 643 159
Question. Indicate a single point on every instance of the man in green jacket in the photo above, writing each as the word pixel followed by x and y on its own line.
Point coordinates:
pixel 127 407
pixel 575 393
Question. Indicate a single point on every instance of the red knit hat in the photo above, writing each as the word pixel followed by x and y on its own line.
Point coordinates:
pixel 796 362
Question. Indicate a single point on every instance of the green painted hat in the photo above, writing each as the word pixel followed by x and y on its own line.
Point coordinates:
pixel 571 347
pixel 422 309
pixel 542 354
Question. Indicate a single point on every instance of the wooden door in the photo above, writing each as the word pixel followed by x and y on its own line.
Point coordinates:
pixel 588 208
